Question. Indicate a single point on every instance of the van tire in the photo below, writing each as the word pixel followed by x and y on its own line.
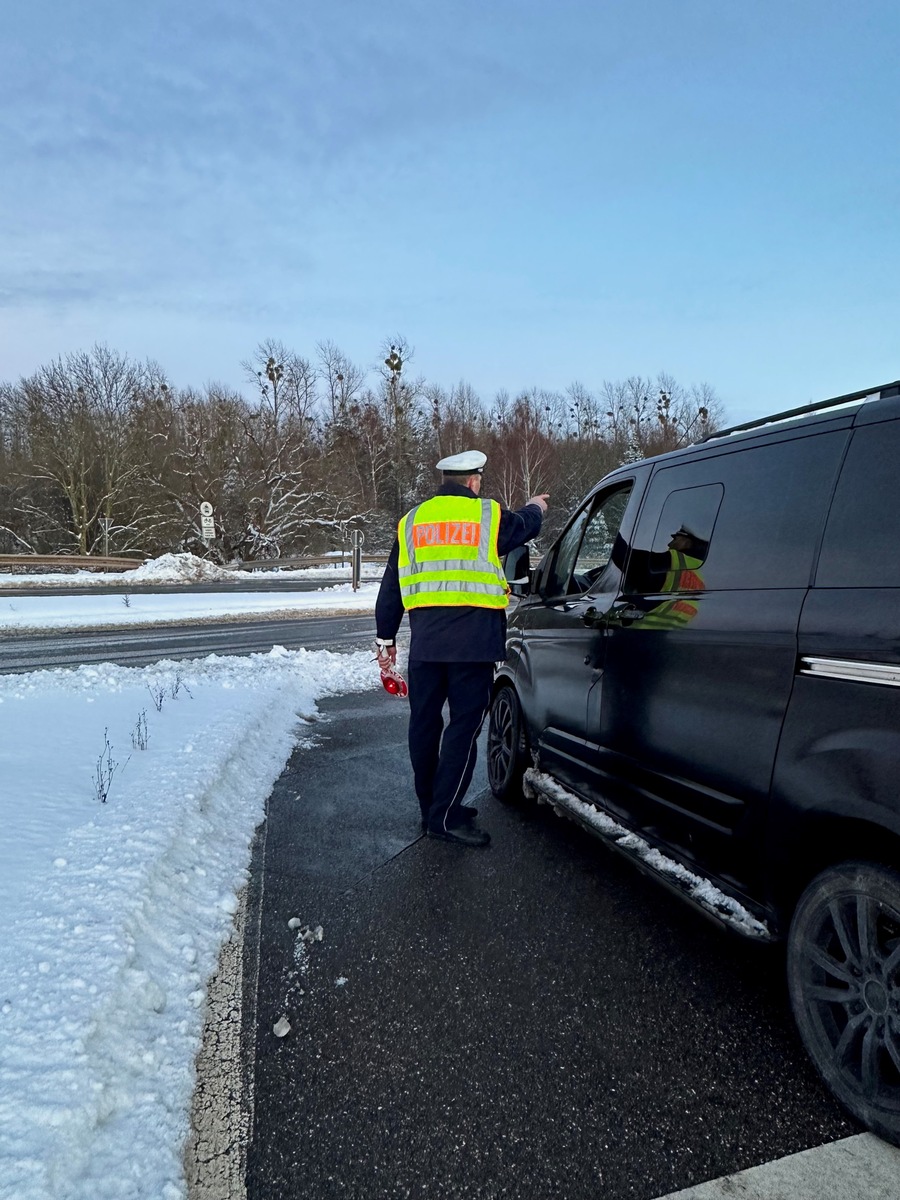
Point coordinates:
pixel 507 750
pixel 843 965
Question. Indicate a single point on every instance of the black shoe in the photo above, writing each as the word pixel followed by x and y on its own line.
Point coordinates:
pixel 463 835
pixel 468 817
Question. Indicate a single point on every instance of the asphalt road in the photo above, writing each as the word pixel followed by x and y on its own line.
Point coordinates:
pixel 146 644
pixel 533 1020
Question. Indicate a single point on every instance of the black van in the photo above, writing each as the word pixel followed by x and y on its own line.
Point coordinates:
pixel 704 670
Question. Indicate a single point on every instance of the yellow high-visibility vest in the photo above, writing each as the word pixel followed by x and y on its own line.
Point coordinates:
pixel 682 573
pixel 683 576
pixel 448 554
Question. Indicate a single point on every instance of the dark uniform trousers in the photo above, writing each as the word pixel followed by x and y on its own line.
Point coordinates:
pixel 443 765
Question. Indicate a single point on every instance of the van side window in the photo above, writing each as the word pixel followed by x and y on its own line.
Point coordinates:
pixel 686 525
pixel 862 546
pixel 769 513
pixel 583 552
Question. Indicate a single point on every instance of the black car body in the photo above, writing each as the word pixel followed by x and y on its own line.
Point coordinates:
pixel 705 669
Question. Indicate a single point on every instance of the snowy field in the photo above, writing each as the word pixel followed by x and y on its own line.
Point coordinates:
pixel 57 610
pixel 129 800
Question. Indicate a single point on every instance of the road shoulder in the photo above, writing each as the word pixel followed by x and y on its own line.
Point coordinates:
pixel 215 1154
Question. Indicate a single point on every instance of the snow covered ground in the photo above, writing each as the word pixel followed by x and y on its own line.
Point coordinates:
pixel 128 801
pixel 57 610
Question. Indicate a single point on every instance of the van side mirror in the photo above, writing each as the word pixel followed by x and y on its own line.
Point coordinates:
pixel 517 569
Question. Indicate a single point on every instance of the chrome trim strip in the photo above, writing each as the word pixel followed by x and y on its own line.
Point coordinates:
pixel 887 674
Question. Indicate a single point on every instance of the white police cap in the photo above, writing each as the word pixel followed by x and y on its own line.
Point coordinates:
pixel 469 460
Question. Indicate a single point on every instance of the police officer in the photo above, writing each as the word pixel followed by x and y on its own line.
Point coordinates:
pixel 445 571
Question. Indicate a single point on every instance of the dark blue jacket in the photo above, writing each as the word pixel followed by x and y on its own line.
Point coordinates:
pixel 464 634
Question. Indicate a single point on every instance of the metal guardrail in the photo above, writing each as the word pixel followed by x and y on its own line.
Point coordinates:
pixel 88 562
pixel 269 564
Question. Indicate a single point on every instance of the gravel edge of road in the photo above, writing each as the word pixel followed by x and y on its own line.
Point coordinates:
pixel 215 1153
pixel 222 1105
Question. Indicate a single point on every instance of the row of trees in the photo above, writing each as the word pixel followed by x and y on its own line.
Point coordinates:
pixel 102 454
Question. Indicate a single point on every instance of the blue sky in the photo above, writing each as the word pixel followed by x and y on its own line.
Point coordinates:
pixel 530 192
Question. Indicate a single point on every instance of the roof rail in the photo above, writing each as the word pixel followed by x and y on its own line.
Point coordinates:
pixel 882 392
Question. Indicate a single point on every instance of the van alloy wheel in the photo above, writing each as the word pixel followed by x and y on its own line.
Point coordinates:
pixel 844 980
pixel 506 750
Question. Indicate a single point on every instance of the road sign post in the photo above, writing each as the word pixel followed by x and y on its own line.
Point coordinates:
pixel 357 537
pixel 207 522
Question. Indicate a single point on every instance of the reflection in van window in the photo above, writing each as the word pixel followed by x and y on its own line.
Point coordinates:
pixel 773 503
pixel 687 520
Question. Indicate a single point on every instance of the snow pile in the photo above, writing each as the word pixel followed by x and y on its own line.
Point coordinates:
pixel 114 912
pixel 699 889
pixel 180 568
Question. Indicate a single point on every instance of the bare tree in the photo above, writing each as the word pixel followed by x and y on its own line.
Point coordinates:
pixel 400 404
pixel 82 438
pixel 522 450
pixel 342 380
pixel 97 450
pixel 195 442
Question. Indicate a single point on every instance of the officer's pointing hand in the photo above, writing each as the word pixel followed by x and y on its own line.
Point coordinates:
pixel 540 501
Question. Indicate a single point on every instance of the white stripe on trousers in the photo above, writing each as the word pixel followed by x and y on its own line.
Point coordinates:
pixel 468 756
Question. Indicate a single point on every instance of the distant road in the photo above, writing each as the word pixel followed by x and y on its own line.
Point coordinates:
pixel 150 643
pixel 119 588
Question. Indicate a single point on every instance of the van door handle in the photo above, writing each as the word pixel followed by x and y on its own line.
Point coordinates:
pixel 626 613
